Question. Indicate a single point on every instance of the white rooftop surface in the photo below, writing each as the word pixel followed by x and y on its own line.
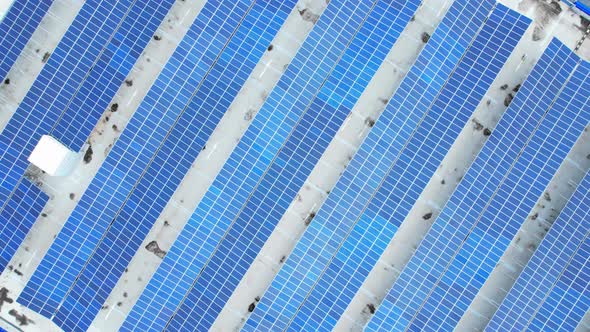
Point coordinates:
pixel 65 191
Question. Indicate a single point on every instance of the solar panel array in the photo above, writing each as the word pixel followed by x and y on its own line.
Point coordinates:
pixel 551 259
pixel 161 178
pixel 569 299
pixel 129 157
pixel 367 169
pixel 277 153
pixel 339 278
pixel 109 72
pixel 55 86
pixel 17 219
pixel 467 239
pixel 527 181
pixel 16 29
pixel 294 162
pixel 293 93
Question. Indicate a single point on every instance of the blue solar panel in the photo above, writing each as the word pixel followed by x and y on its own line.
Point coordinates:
pixel 172 161
pixel 492 230
pixel 111 69
pixel 516 196
pixel 478 186
pixel 230 190
pixel 16 29
pixel 55 86
pixel 293 163
pixel 569 299
pixel 341 278
pixel 414 96
pixel 549 261
pixel 17 219
pixel 130 156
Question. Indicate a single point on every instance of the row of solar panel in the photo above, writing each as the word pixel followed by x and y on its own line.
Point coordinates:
pixel 492 201
pixel 25 205
pixel 17 219
pixel 78 81
pixel 320 104
pixel 56 84
pixel 294 93
pixel 173 159
pixel 182 75
pixel 16 28
pixel 567 237
pixel 367 169
pixel 348 253
pixel 293 163
pixel 408 17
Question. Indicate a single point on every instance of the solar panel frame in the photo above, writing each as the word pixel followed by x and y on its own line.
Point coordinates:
pixel 143 134
pixel 549 260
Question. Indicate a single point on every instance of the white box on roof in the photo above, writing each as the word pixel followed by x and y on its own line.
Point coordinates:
pixel 53 157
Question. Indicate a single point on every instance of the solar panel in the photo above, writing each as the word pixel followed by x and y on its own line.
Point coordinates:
pixel 129 157
pixel 342 276
pixel 549 261
pixel 569 299
pixel 173 159
pixel 16 29
pixel 295 160
pixel 257 148
pixel 55 86
pixel 509 137
pixel 109 72
pixel 17 219
pixel 491 232
pixel 507 141
pixel 366 170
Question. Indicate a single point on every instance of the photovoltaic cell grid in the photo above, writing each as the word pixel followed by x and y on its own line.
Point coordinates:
pixel 498 223
pixel 361 178
pixel 56 85
pixel 205 229
pixel 129 157
pixel 350 266
pixel 535 97
pixel 107 74
pixel 517 195
pixel 111 69
pixel 16 29
pixel 295 160
pixel 17 219
pixel 549 261
pixel 569 299
pixel 172 161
